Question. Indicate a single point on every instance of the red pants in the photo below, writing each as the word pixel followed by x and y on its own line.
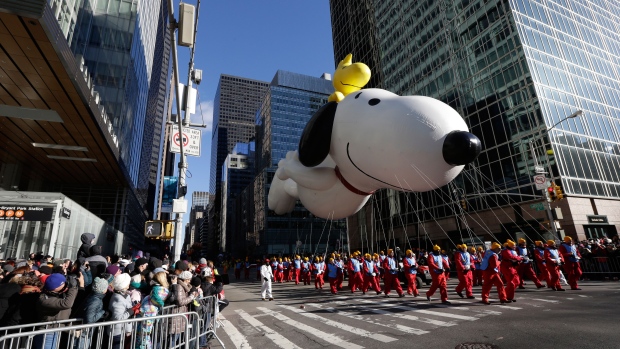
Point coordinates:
pixel 477 277
pixel 391 281
pixel 370 281
pixel 306 277
pixel 512 280
pixel 411 284
pixel 543 273
pixel 525 269
pixel 333 282
pixel 554 275
pixel 318 281
pixel 447 275
pixel 491 278
pixel 573 273
pixel 291 272
pixel 339 280
pixel 439 281
pixel 286 274
pixel 246 273
pixel 279 276
pixel 297 272
pixel 237 274
pixel 466 281
pixel 350 279
pixel 356 282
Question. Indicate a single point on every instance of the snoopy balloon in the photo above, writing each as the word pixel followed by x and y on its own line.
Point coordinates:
pixel 371 139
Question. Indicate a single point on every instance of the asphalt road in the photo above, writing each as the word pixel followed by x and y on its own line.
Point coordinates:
pixel 539 319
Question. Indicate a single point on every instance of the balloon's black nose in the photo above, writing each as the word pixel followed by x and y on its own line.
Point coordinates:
pixel 460 148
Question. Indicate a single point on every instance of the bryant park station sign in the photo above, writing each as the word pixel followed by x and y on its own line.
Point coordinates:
pixel 25 213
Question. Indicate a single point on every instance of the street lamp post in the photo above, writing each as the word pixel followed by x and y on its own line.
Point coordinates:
pixel 544 191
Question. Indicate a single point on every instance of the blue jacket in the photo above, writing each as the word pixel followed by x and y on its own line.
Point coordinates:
pixel 93 308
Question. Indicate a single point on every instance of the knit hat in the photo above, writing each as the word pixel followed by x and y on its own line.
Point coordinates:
pixel 181 265
pixel 155 263
pixel 195 281
pixel 54 281
pixel 159 270
pixel 202 261
pixel 136 281
pixel 121 282
pixel 186 275
pixel 100 285
pixel 141 261
pixel 112 269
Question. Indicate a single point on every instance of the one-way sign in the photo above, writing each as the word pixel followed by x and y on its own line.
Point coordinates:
pixel 191 140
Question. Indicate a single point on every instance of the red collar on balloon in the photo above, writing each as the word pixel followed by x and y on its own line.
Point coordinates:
pixel 349 185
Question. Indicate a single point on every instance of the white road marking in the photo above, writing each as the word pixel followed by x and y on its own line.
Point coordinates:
pixel 275 337
pixel 544 300
pixel 235 336
pixel 355 330
pixel 330 338
pixel 428 312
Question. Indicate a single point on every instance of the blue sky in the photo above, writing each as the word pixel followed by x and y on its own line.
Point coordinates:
pixel 252 39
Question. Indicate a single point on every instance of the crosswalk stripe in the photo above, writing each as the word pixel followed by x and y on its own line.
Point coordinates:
pixel 400 315
pixel 235 336
pixel 428 312
pixel 275 337
pixel 354 330
pixel 330 338
pixel 503 306
pixel 402 328
pixel 481 310
pixel 544 300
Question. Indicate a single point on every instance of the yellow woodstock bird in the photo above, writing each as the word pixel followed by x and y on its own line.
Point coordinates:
pixel 349 77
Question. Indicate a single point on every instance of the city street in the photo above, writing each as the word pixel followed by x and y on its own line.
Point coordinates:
pixel 539 319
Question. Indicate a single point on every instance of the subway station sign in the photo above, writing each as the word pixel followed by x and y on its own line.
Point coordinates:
pixel 25 213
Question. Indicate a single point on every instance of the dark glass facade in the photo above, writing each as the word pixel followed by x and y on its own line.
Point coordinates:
pixel 289 103
pixel 512 69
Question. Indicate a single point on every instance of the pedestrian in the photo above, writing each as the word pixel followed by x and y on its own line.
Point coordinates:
pixel 490 269
pixel 238 266
pixel 267 275
pixel 22 306
pixel 370 273
pixel 120 308
pixel 246 268
pixel 411 273
pixel 340 273
pixel 88 240
pixel 446 264
pixel 183 297
pixel 390 280
pixel 152 305
pixel 476 256
pixel 525 267
pixel 296 269
pixel 436 267
pixel 332 275
pixel 539 257
pixel 305 271
pixel 571 262
pixel 96 261
pixel 509 264
pixel 318 272
pixel 554 261
pixel 464 266
pixel 356 272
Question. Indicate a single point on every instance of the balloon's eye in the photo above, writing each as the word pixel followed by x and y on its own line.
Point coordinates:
pixel 374 101
pixel 357 95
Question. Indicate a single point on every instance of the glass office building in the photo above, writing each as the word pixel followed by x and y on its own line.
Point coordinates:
pixel 288 105
pixel 512 69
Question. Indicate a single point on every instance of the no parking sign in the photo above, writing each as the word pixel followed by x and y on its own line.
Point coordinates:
pixel 191 139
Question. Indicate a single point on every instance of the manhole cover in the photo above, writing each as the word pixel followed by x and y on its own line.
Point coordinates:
pixel 476 346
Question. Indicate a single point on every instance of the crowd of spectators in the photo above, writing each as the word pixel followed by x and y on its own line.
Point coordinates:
pixel 99 288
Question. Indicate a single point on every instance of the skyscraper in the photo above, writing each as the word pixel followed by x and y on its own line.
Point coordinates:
pixel 512 69
pixel 236 102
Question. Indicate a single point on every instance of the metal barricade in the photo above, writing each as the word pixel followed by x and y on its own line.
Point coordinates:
pixel 600 266
pixel 209 319
pixel 38 326
pixel 161 331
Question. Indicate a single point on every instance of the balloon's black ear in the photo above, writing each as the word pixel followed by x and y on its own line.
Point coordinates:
pixel 317 136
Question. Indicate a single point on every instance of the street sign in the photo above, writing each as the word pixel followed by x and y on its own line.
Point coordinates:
pixel 26 213
pixel 539 169
pixel 191 140
pixel 540 181
pixel 539 206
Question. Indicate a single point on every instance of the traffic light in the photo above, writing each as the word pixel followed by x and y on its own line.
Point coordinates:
pixel 551 191
pixel 558 192
pixel 168 231
pixel 153 229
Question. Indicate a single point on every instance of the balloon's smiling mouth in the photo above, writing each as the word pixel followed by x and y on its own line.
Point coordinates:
pixel 399 187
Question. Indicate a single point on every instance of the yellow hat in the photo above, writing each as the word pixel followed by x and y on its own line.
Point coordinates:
pixel 464 246
pixel 367 255
pixel 568 239
pixel 443 251
pixel 522 240
pixel 550 242
pixel 538 243
pixel 472 249
pixel 337 256
pixel 316 258
pixel 458 247
pixel 480 248
pixel 495 245
pixel 408 252
pixel 382 252
pixel 320 258
pixel 305 259
pixel 390 251
pixel 375 255
pixel 510 243
pixel 436 248
pixel 331 260
pixel 332 255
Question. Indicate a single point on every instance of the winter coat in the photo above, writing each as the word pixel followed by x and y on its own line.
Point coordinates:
pixel 24 309
pixel 182 300
pixel 84 250
pixel 53 306
pixel 8 295
pixel 98 263
pixel 120 309
pixel 93 308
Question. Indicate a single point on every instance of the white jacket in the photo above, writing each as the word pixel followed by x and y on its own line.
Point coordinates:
pixel 265 271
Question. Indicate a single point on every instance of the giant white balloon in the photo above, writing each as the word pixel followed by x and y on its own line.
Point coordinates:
pixel 372 139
